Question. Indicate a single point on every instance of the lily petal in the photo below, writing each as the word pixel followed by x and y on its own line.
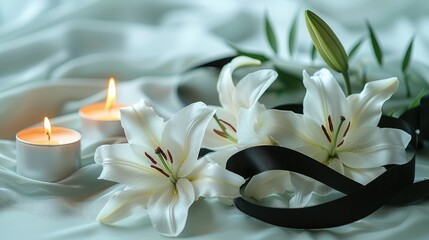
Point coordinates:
pixel 211 180
pixel 123 204
pixel 374 147
pixel 168 209
pixel 225 85
pixel 266 183
pixel 293 131
pixel 337 165
pixel 183 135
pixel 142 125
pixel 250 88
pixel 221 157
pixel 247 123
pixel 366 106
pixel 363 175
pixel 324 98
pixel 304 188
pixel 122 165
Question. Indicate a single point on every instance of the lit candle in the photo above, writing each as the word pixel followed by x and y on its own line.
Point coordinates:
pixel 102 120
pixel 47 153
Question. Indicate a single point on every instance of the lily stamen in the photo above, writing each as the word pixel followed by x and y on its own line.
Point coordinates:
pixel 338 129
pixel 169 156
pixel 159 150
pixel 326 133
pixel 224 132
pixel 150 158
pixel 347 130
pixel 334 144
pixel 228 124
pixel 165 164
pixel 331 126
pixel 220 133
pixel 160 170
pixel 344 134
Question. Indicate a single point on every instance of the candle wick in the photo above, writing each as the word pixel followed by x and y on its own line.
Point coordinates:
pixel 49 136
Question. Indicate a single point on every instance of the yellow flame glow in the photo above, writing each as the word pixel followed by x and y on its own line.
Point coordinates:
pixel 48 130
pixel 111 94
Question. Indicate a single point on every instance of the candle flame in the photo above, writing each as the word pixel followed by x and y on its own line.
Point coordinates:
pixel 111 94
pixel 48 130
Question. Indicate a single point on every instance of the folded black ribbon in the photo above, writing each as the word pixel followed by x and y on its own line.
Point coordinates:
pixel 418 117
pixel 217 63
pixel 394 187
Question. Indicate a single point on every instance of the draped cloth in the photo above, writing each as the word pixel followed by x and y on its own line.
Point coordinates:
pixel 55 57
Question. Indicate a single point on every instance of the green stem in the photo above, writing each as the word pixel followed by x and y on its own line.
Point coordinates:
pixel 364 75
pixel 346 77
pixel 407 85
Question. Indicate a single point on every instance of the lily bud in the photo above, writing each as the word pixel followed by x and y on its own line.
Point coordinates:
pixel 326 43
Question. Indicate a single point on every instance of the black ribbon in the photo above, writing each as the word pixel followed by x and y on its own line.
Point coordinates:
pixel 394 187
pixel 419 118
pixel 217 63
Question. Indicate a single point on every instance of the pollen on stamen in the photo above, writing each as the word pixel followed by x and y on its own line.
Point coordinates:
pixel 220 133
pixel 150 158
pixel 347 130
pixel 160 170
pixel 341 143
pixel 158 150
pixel 326 133
pixel 228 124
pixel 331 126
pixel 169 156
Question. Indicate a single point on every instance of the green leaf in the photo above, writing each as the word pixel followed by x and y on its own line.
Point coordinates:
pixel 286 82
pixel 288 78
pixel 313 52
pixel 292 35
pixel 407 56
pixel 416 101
pixel 416 76
pixel 326 43
pixel 375 45
pixel 364 76
pixel 269 33
pixel 355 47
pixel 239 51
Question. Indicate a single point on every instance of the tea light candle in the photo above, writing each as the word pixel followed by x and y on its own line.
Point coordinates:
pixel 47 153
pixel 102 120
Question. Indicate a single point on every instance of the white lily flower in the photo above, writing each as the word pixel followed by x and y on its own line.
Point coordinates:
pixel 338 131
pixel 234 125
pixel 159 165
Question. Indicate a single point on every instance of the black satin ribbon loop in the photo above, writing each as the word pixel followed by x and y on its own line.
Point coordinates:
pixel 419 118
pixel 424 117
pixel 218 63
pixel 395 186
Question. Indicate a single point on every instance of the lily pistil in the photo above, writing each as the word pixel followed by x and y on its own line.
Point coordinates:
pixel 165 161
pixel 333 136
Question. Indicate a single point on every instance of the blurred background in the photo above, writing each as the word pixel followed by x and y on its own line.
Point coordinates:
pixel 55 56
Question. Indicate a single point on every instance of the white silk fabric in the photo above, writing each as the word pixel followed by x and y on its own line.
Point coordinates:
pixel 55 57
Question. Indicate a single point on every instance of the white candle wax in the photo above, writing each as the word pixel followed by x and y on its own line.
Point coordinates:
pixel 98 123
pixel 44 159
